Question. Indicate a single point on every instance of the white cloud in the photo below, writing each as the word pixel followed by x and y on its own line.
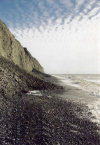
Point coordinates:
pixel 73 49
pixel 41 5
pixel 67 3
pixel 79 2
pixel 90 9
pixel 67 48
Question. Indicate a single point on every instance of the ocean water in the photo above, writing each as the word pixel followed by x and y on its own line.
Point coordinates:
pixel 88 83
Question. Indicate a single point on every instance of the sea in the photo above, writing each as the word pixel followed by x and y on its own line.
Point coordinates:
pixel 89 83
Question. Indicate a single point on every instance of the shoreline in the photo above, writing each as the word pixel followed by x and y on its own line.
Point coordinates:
pixel 75 93
pixel 69 116
pixel 53 117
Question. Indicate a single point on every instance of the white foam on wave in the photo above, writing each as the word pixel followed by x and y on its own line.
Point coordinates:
pixel 95 81
pixel 71 83
pixel 92 87
pixel 35 92
pixel 94 108
pixel 89 85
pixel 65 80
pixel 82 83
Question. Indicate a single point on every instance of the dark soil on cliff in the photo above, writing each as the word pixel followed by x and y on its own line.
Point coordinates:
pixel 14 80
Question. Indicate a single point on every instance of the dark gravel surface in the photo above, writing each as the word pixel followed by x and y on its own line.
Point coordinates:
pixel 46 120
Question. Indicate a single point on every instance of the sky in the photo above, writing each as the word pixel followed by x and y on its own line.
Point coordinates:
pixel 63 35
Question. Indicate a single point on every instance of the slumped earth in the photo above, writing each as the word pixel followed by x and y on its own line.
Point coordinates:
pixel 59 117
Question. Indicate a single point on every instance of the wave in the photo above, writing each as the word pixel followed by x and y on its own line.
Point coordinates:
pixel 88 83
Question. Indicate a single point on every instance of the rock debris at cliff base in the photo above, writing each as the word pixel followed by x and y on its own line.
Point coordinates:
pixel 36 120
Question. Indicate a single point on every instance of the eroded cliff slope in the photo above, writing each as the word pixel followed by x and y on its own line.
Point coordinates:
pixel 12 50
pixel 19 71
pixel 14 80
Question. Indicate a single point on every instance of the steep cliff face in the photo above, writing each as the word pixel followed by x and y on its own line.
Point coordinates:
pixel 12 50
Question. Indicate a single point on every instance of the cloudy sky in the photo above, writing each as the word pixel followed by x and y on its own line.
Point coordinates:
pixel 64 35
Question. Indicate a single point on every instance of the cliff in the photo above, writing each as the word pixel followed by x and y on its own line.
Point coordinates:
pixel 12 50
pixel 14 80
pixel 19 71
